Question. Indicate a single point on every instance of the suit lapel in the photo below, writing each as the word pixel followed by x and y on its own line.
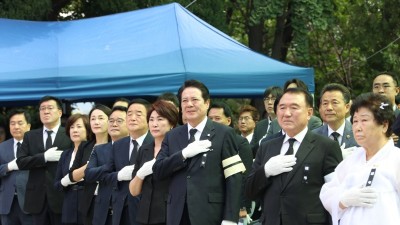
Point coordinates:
pixel 304 150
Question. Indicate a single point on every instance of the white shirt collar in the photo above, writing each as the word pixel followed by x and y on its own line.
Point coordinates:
pixel 340 130
pixel 200 126
pixel 299 137
pixel 55 129
pixel 140 139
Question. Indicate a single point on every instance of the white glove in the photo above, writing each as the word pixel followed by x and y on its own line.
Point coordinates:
pixel 362 197
pixel 227 222
pixel 146 169
pixel 65 181
pixel 125 173
pixel 52 155
pixel 195 148
pixel 12 165
pixel 279 164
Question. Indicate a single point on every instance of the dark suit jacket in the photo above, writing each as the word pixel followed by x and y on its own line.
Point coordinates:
pixel 152 206
pixel 95 172
pixel 246 155
pixel 295 199
pixel 120 189
pixel 259 131
pixel 348 137
pixel 10 182
pixel 210 197
pixel 41 174
pixel 72 198
pixel 81 158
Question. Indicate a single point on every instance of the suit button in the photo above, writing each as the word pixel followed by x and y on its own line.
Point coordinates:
pixel 188 177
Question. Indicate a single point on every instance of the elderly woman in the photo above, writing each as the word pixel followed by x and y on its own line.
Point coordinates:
pixel 366 186
pixel 162 117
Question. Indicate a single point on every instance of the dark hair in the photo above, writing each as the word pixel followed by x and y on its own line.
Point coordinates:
pixel 121 100
pixel 141 101
pixel 101 107
pixel 390 74
pixel 166 110
pixel 307 96
pixel 373 102
pixel 337 87
pixel 278 98
pixel 299 84
pixel 20 111
pixel 225 108
pixel 169 96
pixel 195 84
pixel 253 111
pixel 48 98
pixel 85 119
pixel 119 108
pixel 274 91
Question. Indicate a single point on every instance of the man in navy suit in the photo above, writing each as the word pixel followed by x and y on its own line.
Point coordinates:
pixel 123 156
pixel 334 104
pixel 40 152
pixel 202 161
pixel 289 170
pixel 13 181
pixel 97 167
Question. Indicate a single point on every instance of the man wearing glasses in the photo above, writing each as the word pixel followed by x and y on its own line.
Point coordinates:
pixel 40 152
pixel 248 117
pixel 386 84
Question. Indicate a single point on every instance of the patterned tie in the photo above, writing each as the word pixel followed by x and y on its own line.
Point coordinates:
pixel 192 132
pixel 335 136
pixel 49 141
pixel 134 152
pixel 290 149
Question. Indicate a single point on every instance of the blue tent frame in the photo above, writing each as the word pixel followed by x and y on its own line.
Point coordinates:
pixel 139 53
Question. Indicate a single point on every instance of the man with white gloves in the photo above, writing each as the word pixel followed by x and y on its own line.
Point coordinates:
pixel 13 181
pixel 289 171
pixel 40 152
pixel 201 159
pixel 123 156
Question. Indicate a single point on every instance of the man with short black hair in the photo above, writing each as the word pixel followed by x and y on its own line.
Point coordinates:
pixel 40 152
pixel 13 181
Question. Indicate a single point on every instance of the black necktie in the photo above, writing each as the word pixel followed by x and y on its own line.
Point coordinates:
pixel 133 153
pixel 18 149
pixel 49 142
pixel 335 136
pixel 192 132
pixel 290 149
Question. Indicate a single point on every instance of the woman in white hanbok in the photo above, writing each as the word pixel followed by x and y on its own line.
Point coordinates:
pixel 365 188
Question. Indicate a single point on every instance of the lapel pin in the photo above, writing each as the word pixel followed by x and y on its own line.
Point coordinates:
pixel 348 136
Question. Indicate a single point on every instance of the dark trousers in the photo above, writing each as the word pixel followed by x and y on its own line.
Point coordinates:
pixel 185 220
pixel 16 215
pixel 125 220
pixel 87 219
pixel 133 203
pixel 46 216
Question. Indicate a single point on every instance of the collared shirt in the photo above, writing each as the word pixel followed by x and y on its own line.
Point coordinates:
pixel 340 131
pixel 15 146
pixel 299 138
pixel 139 140
pixel 249 137
pixel 53 135
pixel 199 127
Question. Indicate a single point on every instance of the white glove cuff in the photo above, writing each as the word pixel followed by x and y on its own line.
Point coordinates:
pixel 65 181
pixel 12 165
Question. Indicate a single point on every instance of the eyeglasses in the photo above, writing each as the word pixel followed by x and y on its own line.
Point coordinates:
pixel 20 123
pixel 269 99
pixel 245 118
pixel 50 108
pixel 119 121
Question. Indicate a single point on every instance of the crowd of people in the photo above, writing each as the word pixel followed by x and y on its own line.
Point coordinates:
pixel 135 163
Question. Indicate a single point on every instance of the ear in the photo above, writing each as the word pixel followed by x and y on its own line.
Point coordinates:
pixel 229 121
pixel 207 102
pixel 347 107
pixel 385 126
pixel 310 112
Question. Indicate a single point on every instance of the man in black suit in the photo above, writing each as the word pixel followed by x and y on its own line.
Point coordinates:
pixel 202 161
pixel 12 181
pixel 122 159
pixel 40 152
pixel 289 171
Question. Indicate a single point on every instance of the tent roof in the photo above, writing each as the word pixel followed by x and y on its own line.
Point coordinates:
pixel 139 53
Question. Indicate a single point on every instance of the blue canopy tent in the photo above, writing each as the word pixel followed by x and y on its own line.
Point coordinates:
pixel 139 53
